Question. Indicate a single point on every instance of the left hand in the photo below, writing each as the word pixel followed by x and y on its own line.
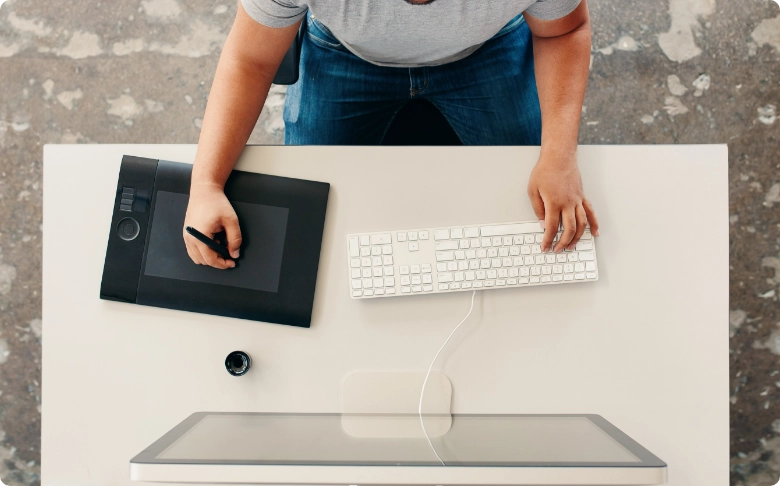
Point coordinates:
pixel 555 190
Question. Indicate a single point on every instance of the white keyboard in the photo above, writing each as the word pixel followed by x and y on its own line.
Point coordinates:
pixel 478 257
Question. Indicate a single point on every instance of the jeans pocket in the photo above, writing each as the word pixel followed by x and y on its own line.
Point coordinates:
pixel 510 26
pixel 321 35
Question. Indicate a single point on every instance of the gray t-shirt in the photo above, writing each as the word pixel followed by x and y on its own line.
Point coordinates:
pixel 399 34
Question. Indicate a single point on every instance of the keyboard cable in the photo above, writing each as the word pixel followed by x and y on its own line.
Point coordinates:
pixel 425 381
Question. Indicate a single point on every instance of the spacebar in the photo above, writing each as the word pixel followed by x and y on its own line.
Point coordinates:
pixel 509 229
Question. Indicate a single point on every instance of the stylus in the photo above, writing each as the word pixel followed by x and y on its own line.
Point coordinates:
pixel 221 250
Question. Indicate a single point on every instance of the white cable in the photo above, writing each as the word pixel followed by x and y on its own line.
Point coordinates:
pixel 422 392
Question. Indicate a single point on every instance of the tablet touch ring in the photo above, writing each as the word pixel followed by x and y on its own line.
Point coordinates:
pixel 128 229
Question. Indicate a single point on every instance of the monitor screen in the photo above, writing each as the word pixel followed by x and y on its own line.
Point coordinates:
pixel 473 440
pixel 263 229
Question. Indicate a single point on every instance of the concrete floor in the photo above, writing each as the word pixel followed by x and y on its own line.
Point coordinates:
pixel 668 71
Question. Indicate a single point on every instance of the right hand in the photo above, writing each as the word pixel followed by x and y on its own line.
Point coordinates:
pixel 210 212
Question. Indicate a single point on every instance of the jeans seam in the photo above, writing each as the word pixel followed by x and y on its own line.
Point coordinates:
pixel 390 122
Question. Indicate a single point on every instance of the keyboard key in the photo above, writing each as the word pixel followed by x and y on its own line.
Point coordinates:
pixel 473 264
pixel 528 239
pixel 476 285
pixel 377 271
pixel 590 275
pixel 441 234
pixel 354 246
pixel 557 278
pixel 492 274
pixel 366 261
pixel 517 240
pixel 367 273
pixel 455 286
pixel 403 270
pixel 471 232
pixel 568 277
pixel 364 240
pixel 388 271
pixel 546 279
pixel 495 263
pixel 481 275
pixel 549 259
pixel 546 270
pixel 534 280
pixel 514 272
pixel 427 278
pixel 482 253
pixel 357 293
pixel 456 233
pixel 560 258
pixel 539 237
pixel 387 259
pixel 508 229
pixel 536 249
pixel 525 271
pixel 463 265
pixel 446 245
pixel 492 252
pixel 517 261
pixel 400 237
pixel 506 240
pixel 585 256
pixel 503 272
pixel 579 267
pixel 474 243
pixel 416 280
pixel 390 291
pixel 485 242
pixel 368 293
pixel 355 262
pixel 579 276
pixel 441 267
pixel 584 245
pixel 500 282
pixel 427 288
pixel 525 250
pixel 356 284
pixel 416 288
pixel 376 250
pixel 381 239
pixel 471 254
pixel 539 259
pixel 507 262
pixel 470 275
pixel 379 282
pixel 464 244
pixel 405 290
pixel 568 268
pixel 452 266
pixel 460 255
pixel 379 291
pixel 590 266
pixel 514 251
pixel 389 282
pixel 536 271
pixel 412 236
pixel 511 281
pixel 414 246
pixel 355 273
pixel 496 241
pixel 405 280
pixel 445 277
pixel 586 236
pixel 414 268
pixel 365 251
pixel 444 256
pixel 557 268
pixel 387 250
pixel 368 283
pixel 465 285
pixel 425 268
pixel 459 277
pixel 502 252
pixel 376 261
pixel 522 280
pixel 572 257
pixel 489 283
pixel 444 286
pixel 423 235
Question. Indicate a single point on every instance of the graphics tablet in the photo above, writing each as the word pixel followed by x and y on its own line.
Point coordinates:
pixel 282 222
pixel 265 448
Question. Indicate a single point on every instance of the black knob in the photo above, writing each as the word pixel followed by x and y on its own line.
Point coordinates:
pixel 237 363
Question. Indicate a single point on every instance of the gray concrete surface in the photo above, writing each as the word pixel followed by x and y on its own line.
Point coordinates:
pixel 668 71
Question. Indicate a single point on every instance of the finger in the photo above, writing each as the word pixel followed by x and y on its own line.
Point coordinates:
pixel 538 205
pixel 551 221
pixel 591 215
pixel 233 232
pixel 569 228
pixel 582 221
pixel 211 257
pixel 194 255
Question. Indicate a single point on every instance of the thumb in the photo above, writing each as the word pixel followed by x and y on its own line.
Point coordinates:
pixel 233 235
pixel 538 205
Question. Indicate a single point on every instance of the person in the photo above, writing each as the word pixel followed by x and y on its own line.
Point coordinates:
pixel 502 72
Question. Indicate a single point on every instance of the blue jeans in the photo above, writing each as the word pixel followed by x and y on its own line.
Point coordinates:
pixel 489 98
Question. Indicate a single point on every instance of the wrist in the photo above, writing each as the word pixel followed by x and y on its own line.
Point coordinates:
pixel 205 186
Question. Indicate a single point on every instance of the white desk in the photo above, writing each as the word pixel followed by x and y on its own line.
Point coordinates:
pixel 646 346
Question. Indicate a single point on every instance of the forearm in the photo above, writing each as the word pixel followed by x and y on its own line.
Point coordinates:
pixel 235 102
pixel 561 65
